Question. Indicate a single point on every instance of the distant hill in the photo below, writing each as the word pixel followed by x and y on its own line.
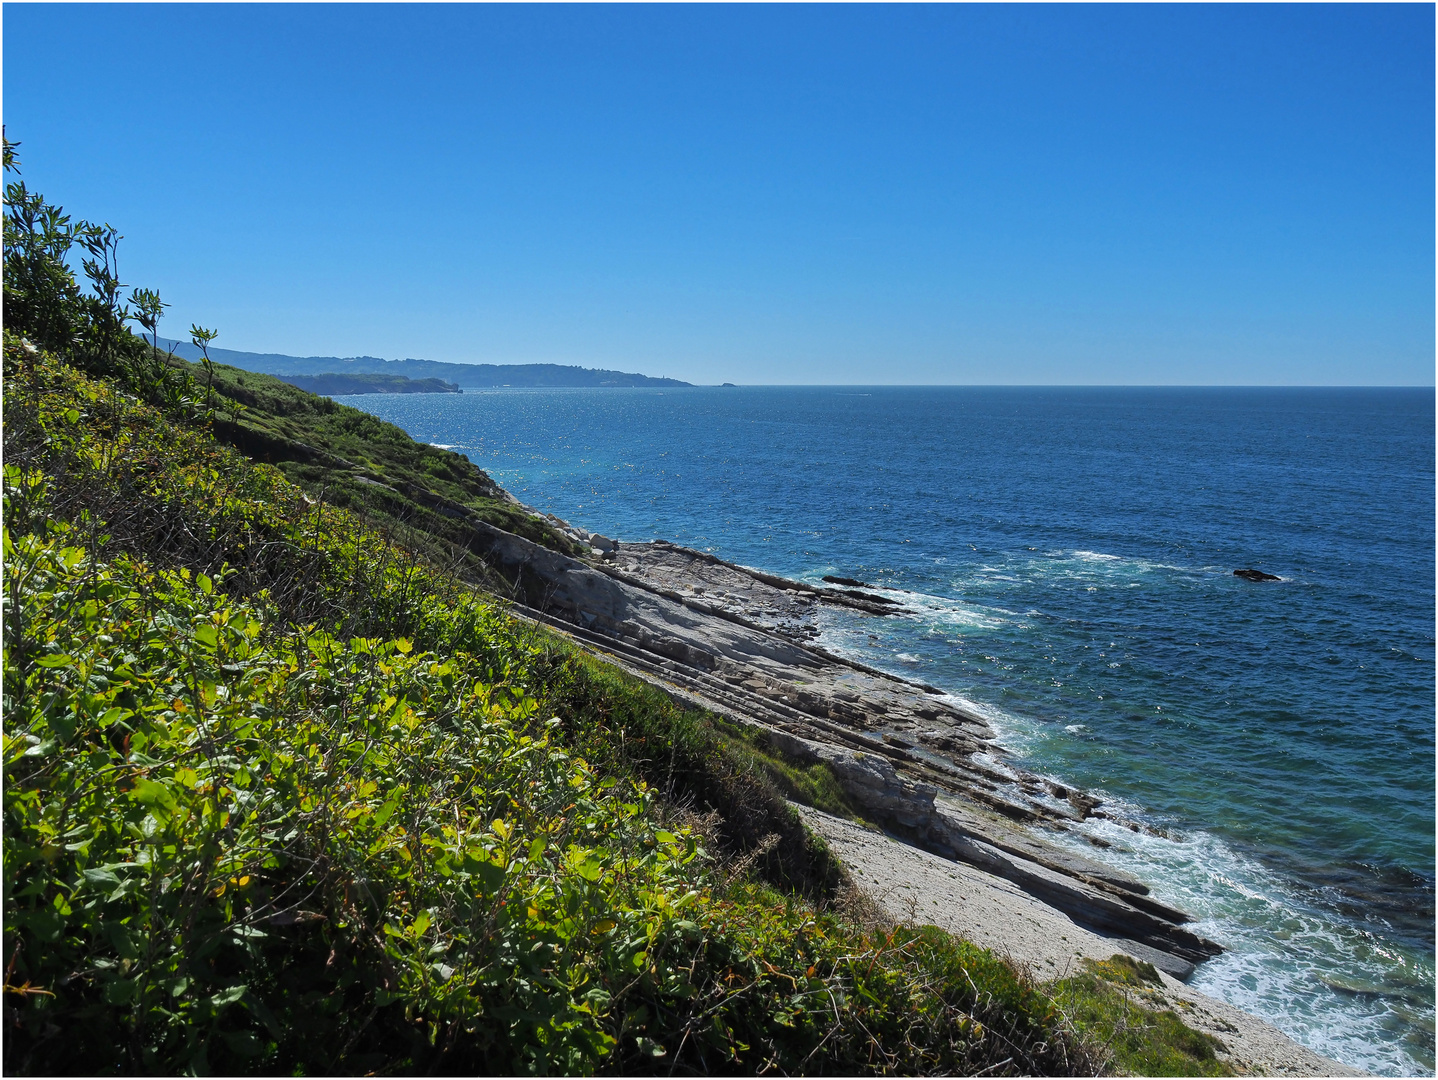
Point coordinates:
pixel 332 385
pixel 469 376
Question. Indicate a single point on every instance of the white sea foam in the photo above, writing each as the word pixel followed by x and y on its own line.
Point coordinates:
pixel 1103 566
pixel 1015 735
pixel 944 612
pixel 1285 951
pixel 1284 954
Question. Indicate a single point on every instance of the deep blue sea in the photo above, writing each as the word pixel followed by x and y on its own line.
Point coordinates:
pixel 1067 557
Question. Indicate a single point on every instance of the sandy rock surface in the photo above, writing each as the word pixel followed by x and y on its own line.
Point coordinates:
pixel 917 887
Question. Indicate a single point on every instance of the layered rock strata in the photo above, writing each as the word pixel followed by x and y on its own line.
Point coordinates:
pixel 740 642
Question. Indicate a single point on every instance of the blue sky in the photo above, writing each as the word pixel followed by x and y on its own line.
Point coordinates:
pixel 762 194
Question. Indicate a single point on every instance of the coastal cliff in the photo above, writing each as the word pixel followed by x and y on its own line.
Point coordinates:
pixel 925 775
pixel 329 384
pixel 727 706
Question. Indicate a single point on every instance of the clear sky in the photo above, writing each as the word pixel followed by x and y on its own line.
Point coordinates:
pixel 762 194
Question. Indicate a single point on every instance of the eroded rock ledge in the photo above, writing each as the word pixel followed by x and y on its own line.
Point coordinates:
pixel 740 642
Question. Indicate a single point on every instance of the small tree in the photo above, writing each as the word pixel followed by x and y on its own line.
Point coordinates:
pixel 202 338
pixel 42 299
pixel 44 302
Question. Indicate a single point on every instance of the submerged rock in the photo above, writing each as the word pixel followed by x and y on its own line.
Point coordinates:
pixel 1255 575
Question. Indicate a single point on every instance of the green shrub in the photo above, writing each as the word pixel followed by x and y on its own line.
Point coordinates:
pixel 182 797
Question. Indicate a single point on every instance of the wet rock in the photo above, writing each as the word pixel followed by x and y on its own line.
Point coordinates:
pixel 1095 903
pixel 1249 574
pixel 1083 803
pixel 870 597
pixel 847 582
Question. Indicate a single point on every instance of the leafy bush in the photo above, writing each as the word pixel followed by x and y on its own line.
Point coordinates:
pixel 182 798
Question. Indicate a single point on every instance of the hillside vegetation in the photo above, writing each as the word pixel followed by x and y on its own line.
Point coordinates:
pixel 350 458
pixel 332 385
pixel 285 792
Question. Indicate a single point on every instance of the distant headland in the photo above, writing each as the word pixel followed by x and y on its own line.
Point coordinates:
pixel 465 376
pixel 332 385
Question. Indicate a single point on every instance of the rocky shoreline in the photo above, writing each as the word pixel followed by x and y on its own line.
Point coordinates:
pixel 915 763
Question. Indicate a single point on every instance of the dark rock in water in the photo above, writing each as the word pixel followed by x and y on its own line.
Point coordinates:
pixel 869 597
pixel 847 582
pixel 1084 803
pixel 1255 575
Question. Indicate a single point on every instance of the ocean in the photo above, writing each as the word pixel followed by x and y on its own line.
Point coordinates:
pixel 1066 559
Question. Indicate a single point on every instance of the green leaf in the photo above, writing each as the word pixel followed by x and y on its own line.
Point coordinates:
pixel 123 940
pixel 121 991
pixel 491 876
pixel 228 996
pixel 384 813
pixel 103 877
pixel 55 660
pixel 152 794
pixel 244 1043
pixel 113 715
pixel 45 923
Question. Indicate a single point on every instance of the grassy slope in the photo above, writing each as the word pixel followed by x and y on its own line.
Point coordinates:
pixel 333 385
pixel 1120 1003
pixel 432 877
pixel 343 453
